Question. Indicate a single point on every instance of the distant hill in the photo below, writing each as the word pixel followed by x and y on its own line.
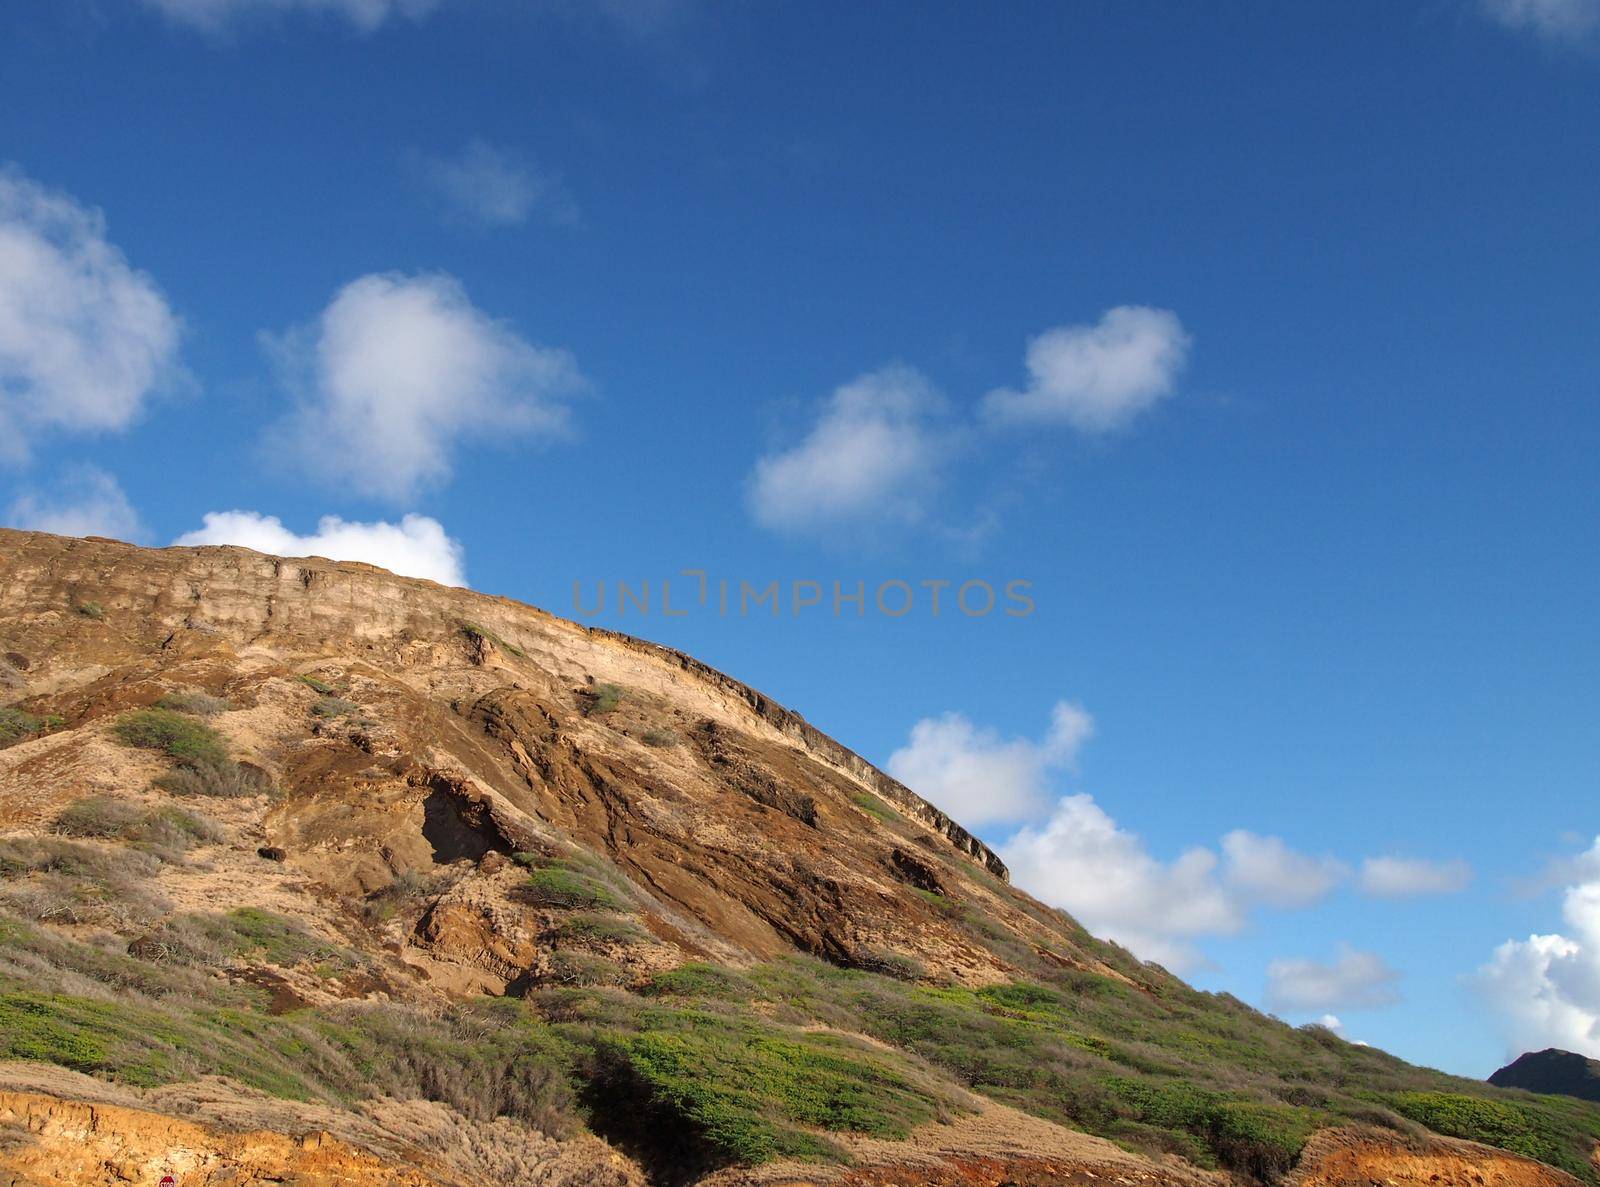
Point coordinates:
pixel 1553 1072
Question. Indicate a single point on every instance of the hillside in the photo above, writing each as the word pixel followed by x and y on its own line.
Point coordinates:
pixel 309 872
pixel 1552 1071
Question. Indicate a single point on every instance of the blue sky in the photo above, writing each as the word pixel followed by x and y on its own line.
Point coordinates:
pixel 1301 477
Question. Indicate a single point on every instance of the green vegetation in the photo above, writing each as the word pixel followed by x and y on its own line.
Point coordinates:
pixel 1553 1129
pixel 203 766
pixel 175 734
pixel 16 725
pixel 473 631
pixel 706 1066
pixel 597 927
pixel 873 806
pixel 146 1024
pixel 602 699
pixel 92 610
pixel 746 1090
pixel 659 738
pixel 563 887
pixel 199 704
pixel 321 686
pixel 248 935
pixel 331 707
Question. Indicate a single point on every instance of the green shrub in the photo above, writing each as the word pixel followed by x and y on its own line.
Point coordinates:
pixel 601 699
pixel 331 707
pixel 199 704
pixel 92 610
pixel 473 631
pixel 698 980
pixel 316 685
pixel 873 806
pixel 561 887
pixel 16 725
pixel 750 1092
pixel 174 734
pixel 592 927
pixel 585 969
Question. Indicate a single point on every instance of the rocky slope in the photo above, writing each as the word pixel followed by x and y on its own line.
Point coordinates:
pixel 311 873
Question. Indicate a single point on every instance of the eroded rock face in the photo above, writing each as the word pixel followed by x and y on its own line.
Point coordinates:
pixel 1358 1158
pixel 412 730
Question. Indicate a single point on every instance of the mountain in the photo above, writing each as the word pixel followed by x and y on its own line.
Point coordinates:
pixel 1553 1071
pixel 313 873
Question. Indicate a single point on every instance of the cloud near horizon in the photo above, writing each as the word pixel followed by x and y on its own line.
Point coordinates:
pixel 1545 990
pixel 1072 854
pixel 364 15
pixel 417 546
pixel 1354 981
pixel 85 338
pixel 86 501
pixel 399 371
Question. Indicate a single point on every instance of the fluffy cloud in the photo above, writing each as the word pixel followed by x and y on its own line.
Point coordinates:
pixel 1082 862
pixel 1545 990
pixel 872 454
pixel 1267 871
pixel 415 547
pixel 1412 877
pixel 1097 378
pixel 1354 981
pixel 365 15
pixel 493 188
pixel 86 502
pixel 1072 854
pixel 980 778
pixel 84 337
pixel 1556 20
pixel 398 371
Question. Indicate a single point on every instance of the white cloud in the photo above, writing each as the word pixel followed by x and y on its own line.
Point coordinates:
pixel 1082 862
pixel 1072 854
pixel 1355 981
pixel 1267 871
pixel 365 15
pixel 1097 378
pixel 398 371
pixel 980 778
pixel 85 339
pixel 493 188
pixel 86 502
pixel 415 547
pixel 873 454
pixel 1555 20
pixel 1545 990
pixel 1412 877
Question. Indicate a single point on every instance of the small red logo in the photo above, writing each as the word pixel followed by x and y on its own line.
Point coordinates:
pixel 169 1181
